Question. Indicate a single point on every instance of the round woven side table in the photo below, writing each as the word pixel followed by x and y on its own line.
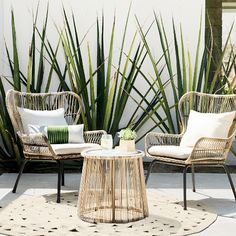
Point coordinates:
pixel 112 187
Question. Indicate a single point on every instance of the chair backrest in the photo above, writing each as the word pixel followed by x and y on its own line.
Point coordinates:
pixel 70 101
pixel 206 103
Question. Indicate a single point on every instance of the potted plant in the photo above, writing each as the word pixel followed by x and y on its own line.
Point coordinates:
pixel 127 139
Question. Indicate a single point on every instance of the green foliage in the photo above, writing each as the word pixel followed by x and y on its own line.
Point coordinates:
pixel 108 86
pixel 127 134
pixel 31 82
pixel 189 76
pixel 105 93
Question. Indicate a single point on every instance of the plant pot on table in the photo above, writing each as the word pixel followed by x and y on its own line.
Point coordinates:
pixel 127 145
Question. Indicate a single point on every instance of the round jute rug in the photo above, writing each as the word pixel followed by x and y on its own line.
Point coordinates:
pixel 41 215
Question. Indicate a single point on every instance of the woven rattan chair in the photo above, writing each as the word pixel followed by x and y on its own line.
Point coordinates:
pixel 36 146
pixel 207 151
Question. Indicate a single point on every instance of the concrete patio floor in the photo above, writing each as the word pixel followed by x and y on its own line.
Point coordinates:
pixel 212 189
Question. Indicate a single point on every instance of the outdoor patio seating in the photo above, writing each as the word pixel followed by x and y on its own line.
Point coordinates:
pixel 48 107
pixel 208 124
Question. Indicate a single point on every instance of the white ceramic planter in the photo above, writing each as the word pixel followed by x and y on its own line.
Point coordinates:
pixel 127 145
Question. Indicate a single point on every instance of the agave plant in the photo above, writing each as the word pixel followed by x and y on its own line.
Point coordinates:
pixel 184 75
pixel 30 82
pixel 100 89
pixel 105 94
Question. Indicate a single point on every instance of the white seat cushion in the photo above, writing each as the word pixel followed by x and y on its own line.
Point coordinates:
pixel 72 148
pixel 210 125
pixel 172 151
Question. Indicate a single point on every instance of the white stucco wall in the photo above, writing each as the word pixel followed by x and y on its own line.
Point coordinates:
pixel 228 18
pixel 186 12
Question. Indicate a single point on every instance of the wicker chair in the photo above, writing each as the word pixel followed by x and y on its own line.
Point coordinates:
pixel 36 146
pixel 207 151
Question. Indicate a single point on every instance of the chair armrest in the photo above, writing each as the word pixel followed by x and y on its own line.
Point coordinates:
pixel 36 144
pixel 29 139
pixel 210 149
pixel 94 136
pixel 154 138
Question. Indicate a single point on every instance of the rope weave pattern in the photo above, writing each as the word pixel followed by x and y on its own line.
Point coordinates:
pixel 36 146
pixel 206 150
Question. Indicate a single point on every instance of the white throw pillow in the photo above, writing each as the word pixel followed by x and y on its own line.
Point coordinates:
pixel 212 125
pixel 35 129
pixel 75 132
pixel 38 117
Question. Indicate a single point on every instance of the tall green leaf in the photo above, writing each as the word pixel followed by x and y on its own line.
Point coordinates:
pixel 16 78
pixel 195 75
pixel 92 93
pixel 41 57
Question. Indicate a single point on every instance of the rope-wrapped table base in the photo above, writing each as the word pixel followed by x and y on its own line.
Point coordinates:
pixel 112 187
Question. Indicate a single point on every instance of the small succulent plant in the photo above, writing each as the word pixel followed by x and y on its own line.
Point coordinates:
pixel 127 134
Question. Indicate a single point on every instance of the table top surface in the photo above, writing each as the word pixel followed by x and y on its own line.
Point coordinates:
pixel 111 153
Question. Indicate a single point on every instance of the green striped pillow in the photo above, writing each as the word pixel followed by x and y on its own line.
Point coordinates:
pixel 58 134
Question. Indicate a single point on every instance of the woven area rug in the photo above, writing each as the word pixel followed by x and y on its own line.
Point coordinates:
pixel 41 215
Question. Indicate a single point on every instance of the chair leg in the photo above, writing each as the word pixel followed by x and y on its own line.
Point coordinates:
pixel 62 174
pixel 149 170
pixel 230 180
pixel 185 187
pixel 59 182
pixel 19 175
pixel 193 178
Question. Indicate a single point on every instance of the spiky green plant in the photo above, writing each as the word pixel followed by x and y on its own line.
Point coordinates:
pixel 30 82
pixel 184 75
pixel 105 94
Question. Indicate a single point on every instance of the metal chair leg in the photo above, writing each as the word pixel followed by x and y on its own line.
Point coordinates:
pixel 185 187
pixel 19 175
pixel 149 170
pixel 63 174
pixel 230 180
pixel 59 182
pixel 193 178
